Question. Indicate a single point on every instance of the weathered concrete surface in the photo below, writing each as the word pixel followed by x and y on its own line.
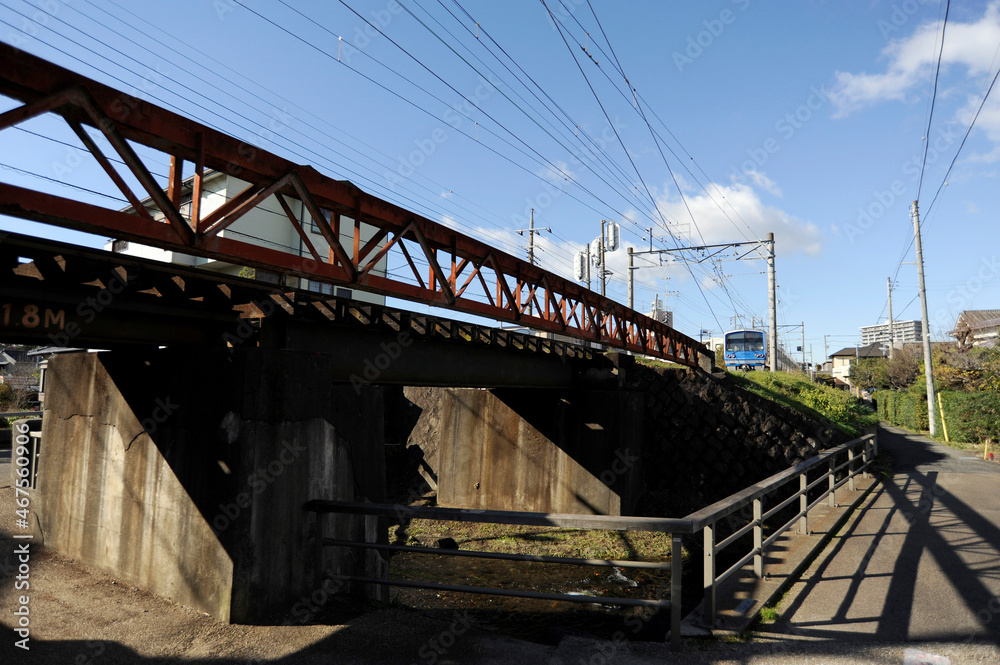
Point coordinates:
pixel 109 497
pixel 562 451
pixel 185 473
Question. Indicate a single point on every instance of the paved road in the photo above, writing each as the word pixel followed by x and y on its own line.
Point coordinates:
pixel 921 564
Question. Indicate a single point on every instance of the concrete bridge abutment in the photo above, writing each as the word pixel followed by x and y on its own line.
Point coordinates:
pixel 185 474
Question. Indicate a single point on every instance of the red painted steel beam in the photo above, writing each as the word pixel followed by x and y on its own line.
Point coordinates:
pixel 45 87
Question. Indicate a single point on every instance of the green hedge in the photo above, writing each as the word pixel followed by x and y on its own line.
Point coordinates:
pixel 970 417
pixel 904 409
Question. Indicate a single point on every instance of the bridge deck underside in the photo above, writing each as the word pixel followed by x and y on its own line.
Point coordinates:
pixel 59 294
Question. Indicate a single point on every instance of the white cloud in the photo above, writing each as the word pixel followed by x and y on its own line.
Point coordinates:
pixel 761 180
pixel 556 173
pixel 723 224
pixel 911 61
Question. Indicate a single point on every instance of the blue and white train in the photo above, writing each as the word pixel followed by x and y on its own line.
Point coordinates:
pixel 746 350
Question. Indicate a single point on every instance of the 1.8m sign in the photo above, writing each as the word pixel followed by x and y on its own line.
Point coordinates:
pixel 32 316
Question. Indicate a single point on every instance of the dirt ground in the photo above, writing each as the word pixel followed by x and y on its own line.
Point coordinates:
pixel 79 615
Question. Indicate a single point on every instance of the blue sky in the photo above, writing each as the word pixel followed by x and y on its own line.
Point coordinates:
pixel 805 119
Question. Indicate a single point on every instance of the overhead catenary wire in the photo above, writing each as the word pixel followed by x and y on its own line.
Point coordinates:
pixel 556 251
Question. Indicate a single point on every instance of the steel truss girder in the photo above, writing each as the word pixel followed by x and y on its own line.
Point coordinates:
pixel 551 303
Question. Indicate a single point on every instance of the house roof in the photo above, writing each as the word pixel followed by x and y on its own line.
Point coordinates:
pixel 870 351
pixel 49 350
pixel 978 318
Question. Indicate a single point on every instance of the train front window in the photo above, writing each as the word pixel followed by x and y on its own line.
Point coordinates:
pixel 745 341
pixel 736 342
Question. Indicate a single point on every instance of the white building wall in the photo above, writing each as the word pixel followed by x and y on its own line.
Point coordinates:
pixel 265 225
pixel 902 332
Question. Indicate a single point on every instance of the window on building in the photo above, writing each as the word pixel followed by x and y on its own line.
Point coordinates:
pixel 319 287
pixel 314 227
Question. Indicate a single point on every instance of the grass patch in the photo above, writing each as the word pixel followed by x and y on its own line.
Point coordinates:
pixel 796 391
pixel 769 614
pixel 545 541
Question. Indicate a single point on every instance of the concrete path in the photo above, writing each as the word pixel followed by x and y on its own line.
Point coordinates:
pixel 920 564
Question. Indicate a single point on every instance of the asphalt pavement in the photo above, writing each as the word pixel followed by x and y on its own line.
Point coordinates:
pixel 920 565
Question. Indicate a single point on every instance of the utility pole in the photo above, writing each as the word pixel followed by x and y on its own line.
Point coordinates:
pixel 588 266
pixel 804 346
pixel 772 304
pixel 631 280
pixel 888 286
pixel 928 370
pixel 531 231
pixel 826 349
pixel 600 253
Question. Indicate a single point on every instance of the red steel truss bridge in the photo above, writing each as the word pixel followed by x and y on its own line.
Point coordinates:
pixel 461 273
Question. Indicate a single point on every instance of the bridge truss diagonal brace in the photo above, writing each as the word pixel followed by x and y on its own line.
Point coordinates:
pixel 124 120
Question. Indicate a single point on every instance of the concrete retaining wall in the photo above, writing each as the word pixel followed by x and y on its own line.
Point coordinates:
pixel 185 474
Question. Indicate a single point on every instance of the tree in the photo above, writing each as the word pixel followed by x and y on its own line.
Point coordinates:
pixel 902 369
pixel 868 374
pixel 967 369
pixel 20 387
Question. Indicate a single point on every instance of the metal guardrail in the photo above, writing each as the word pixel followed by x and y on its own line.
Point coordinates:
pixel 705 520
pixel 708 518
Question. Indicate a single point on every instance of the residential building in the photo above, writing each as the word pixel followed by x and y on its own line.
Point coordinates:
pixel 843 359
pixel 903 332
pixel 266 225
pixel 977 327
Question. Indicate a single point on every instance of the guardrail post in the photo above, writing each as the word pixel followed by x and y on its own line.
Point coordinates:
pixel 758 538
pixel 709 576
pixel 803 503
pixel 676 577
pixel 850 469
pixel 832 477
pixel 866 458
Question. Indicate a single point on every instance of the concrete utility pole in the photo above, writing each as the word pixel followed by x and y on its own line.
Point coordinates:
pixel 631 280
pixel 531 231
pixel 600 254
pixel 925 327
pixel 588 266
pixel 804 346
pixel 772 305
pixel 888 286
